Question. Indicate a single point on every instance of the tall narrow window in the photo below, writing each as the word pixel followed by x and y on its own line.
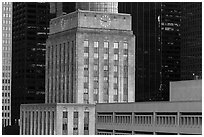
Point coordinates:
pixel 75 124
pixel 86 72
pixel 65 123
pixel 86 123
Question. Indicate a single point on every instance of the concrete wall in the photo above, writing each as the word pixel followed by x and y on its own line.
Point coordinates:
pixel 150 118
pixel 186 90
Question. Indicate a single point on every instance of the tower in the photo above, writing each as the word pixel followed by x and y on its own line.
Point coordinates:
pixel 6 62
pixel 30 30
pixel 89 59
pixel 157 58
pixel 191 38
pixel 104 73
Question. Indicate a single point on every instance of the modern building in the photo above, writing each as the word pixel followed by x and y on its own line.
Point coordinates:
pixel 191 41
pixel 89 59
pixel 157 58
pixel 182 115
pixel 30 31
pixel 6 62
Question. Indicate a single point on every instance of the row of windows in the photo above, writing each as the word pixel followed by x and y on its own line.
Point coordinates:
pixel 5 94
pixel 5 107
pixel 6 15
pixel 6 55
pixel 5 101
pixel 163 120
pixel 6 68
pixel 5 114
pixel 6 41
pixel 6 35
pixel 6 74
pixel 6 48
pixel 6 81
pixel 6 88
pixel 7 8
pixel 7 3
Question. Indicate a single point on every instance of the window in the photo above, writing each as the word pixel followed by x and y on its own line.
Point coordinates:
pixel 95 91
pixel 85 91
pixel 86 55
pixel 86 43
pixel 65 114
pixel 105 44
pixel 125 45
pixel 115 68
pixel 105 78
pixel 115 45
pixel 115 56
pixel 95 55
pixel 75 124
pixel 86 123
pixel 115 79
pixel 105 67
pixel 105 56
pixel 86 79
pixel 95 44
pixel 95 67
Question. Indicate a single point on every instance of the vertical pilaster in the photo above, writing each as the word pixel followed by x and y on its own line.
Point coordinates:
pixel 111 72
pixel 91 72
pixel 35 121
pixel 101 71
pixel 66 73
pixel 131 70
pixel 38 123
pixel 54 68
pixel 31 123
pixel 70 122
pixel 57 73
pixel 62 72
pixel 50 74
pixel 43 124
pixel 46 123
pixel 80 121
pixel 120 73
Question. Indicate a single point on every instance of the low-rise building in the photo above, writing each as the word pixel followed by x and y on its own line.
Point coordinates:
pixel 57 119
pixel 166 117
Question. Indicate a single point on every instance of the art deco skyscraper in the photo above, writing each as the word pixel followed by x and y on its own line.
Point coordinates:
pixel 6 62
pixel 89 59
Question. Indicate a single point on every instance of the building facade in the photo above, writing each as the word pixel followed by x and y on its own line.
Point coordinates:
pixel 57 119
pixel 157 58
pixel 182 115
pixel 6 62
pixel 191 46
pixel 90 58
pixel 30 31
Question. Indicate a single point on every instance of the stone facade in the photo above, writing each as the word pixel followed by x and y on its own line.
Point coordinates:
pixel 89 59
pixel 65 58
pixel 48 119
